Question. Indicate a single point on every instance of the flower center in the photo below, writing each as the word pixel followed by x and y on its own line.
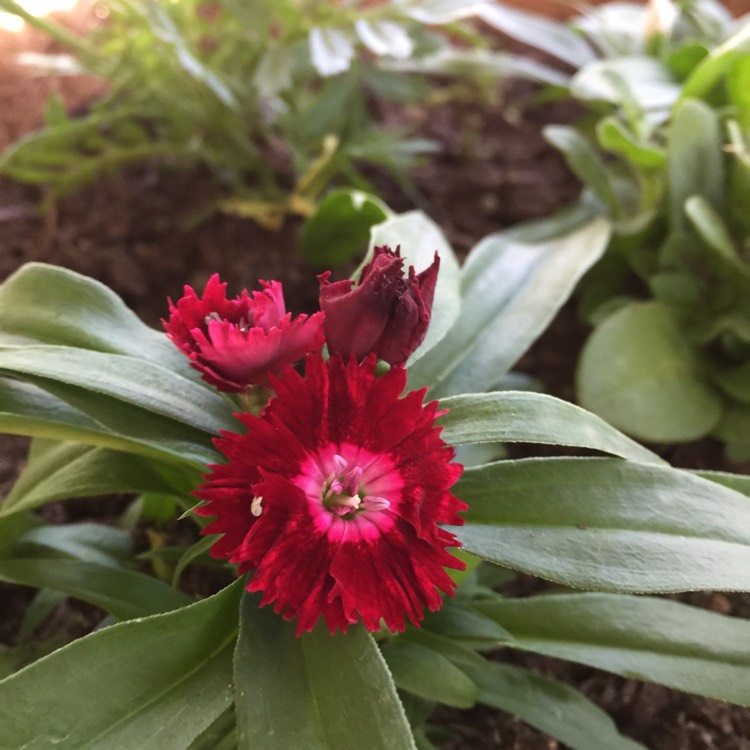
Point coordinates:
pixel 343 494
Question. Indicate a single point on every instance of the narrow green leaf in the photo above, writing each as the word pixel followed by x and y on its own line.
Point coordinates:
pixel 614 137
pixel 125 594
pixel 552 707
pixel 696 160
pixel 639 373
pixel 512 285
pixel 551 36
pixel 526 417
pixel 52 305
pixel 62 412
pixel 318 692
pixel 128 379
pixel 157 682
pixel 191 554
pixel 89 542
pixel 427 673
pixel 584 161
pixel 74 470
pixel 420 238
pixel 607 524
pixel 711 227
pixel 644 638
pixel 715 65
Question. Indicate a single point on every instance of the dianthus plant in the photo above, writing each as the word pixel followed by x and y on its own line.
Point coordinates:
pixel 355 511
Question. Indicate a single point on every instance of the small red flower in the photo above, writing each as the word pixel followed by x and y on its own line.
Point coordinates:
pixel 333 498
pixel 237 343
pixel 385 313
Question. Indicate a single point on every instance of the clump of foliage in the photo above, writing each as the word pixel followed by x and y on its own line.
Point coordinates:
pixel 273 97
pixel 664 151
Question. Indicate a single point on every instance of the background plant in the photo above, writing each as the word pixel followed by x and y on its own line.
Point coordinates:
pixel 113 407
pixel 662 150
pixel 274 98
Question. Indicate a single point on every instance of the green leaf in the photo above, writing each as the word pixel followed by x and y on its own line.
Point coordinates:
pixel 607 524
pixel 696 161
pixel 128 379
pixel 614 137
pixel 461 623
pixel 585 162
pixel 553 37
pixel 420 238
pixel 318 692
pixel 642 638
pixel 631 82
pixel 638 372
pixel 715 65
pixel 552 707
pixel 157 682
pixel 474 62
pixel 50 305
pixel 73 414
pixel 89 542
pixel 191 554
pixel 736 382
pixel 123 593
pixel 512 285
pixel 526 417
pixel 340 227
pixel 74 470
pixel 715 233
pixel 427 673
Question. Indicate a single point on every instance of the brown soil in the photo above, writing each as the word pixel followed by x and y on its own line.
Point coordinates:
pixel 129 230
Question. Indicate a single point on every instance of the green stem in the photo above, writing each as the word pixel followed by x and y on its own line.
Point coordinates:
pixel 54 30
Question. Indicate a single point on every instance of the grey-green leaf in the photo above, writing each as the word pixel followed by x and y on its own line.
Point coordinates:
pixel 512 285
pixel 674 644
pixel 527 417
pixel 607 524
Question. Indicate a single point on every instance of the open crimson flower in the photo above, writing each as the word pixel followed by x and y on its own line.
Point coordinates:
pixel 385 313
pixel 333 498
pixel 237 343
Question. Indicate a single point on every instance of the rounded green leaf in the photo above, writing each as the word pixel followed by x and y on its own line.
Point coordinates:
pixel 638 372
pixel 340 227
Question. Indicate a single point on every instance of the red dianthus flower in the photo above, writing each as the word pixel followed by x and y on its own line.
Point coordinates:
pixel 333 498
pixel 237 343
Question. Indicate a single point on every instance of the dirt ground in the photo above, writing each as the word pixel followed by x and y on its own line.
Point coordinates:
pixel 493 171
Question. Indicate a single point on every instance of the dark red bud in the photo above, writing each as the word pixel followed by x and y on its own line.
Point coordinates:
pixel 386 313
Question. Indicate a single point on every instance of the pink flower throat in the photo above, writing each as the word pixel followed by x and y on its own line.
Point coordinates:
pixel 343 494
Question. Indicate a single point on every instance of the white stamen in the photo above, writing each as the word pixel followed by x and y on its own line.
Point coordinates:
pixel 255 506
pixel 210 317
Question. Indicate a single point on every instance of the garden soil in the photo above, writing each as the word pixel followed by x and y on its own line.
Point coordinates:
pixel 136 231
